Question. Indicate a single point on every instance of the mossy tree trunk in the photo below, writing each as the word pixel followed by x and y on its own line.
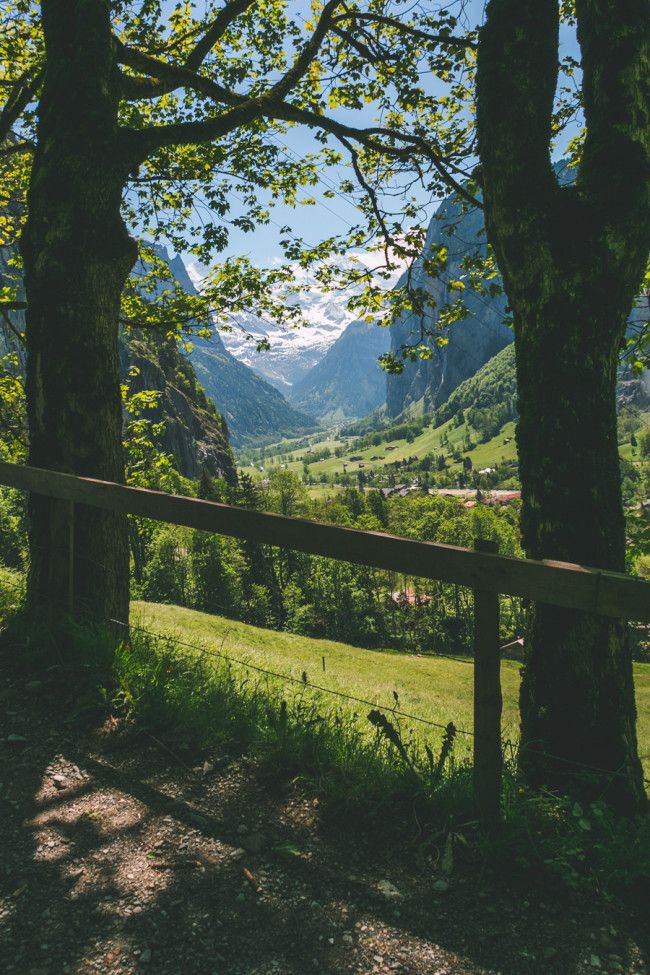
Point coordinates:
pixel 572 259
pixel 77 255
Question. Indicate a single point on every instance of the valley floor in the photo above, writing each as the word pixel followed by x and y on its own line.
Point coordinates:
pixel 118 859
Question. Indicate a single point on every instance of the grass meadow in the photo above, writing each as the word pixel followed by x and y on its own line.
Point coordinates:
pixel 436 688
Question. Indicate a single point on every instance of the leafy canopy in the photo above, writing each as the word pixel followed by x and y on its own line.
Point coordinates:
pixel 208 92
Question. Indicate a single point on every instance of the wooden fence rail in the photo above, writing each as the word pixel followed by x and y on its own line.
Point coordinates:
pixel 559 583
pixel 565 584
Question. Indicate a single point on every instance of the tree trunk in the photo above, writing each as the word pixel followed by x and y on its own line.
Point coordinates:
pixel 572 259
pixel 577 693
pixel 77 255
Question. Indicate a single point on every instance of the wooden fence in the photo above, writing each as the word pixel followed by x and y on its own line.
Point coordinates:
pixel 482 569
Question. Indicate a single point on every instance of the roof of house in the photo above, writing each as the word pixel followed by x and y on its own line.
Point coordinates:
pixel 411 597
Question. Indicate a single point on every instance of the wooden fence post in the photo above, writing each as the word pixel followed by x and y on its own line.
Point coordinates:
pixel 487 700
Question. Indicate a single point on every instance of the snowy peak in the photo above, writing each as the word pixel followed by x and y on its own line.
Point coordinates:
pixel 294 349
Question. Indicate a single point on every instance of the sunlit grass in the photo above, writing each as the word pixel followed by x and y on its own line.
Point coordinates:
pixel 436 688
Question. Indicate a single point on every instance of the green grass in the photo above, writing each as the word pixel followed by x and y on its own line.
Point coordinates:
pixel 488 454
pixel 12 587
pixel 436 688
pixel 368 768
pixel 429 441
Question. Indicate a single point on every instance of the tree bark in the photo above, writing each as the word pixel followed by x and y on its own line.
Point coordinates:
pixel 577 693
pixel 77 255
pixel 572 259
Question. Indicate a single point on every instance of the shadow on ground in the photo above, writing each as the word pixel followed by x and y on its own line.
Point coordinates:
pixel 123 861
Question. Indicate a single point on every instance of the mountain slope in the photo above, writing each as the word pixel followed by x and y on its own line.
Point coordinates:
pixel 348 381
pixel 252 408
pixel 492 387
pixel 194 433
pixel 192 430
pixel 293 351
pixel 426 384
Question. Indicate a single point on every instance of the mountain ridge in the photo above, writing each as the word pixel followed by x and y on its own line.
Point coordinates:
pixel 348 382
pixel 253 409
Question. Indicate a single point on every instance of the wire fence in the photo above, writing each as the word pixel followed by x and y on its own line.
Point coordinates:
pixel 290 679
pixel 303 681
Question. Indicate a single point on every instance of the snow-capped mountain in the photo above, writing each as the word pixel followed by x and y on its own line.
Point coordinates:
pixel 294 350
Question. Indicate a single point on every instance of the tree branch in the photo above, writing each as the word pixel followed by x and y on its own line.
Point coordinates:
pixel 270 105
pixel 229 13
pixel 155 86
pixel 244 108
pixel 19 336
pixel 23 92
pixel 17 147
pixel 516 79
pixel 163 77
pixel 372 196
pixel 423 35
pixel 615 168
pixel 292 113
pixel 302 63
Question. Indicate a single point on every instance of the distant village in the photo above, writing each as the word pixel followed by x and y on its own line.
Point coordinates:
pixel 469 496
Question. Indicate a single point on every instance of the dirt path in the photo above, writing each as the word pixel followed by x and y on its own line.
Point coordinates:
pixel 118 860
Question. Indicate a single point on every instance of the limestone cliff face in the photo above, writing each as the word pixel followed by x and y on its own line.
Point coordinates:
pixel 194 433
pixel 426 384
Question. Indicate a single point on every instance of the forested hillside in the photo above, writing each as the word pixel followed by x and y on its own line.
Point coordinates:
pixel 488 399
pixel 426 383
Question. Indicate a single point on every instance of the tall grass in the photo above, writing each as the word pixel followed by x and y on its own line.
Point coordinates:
pixel 361 763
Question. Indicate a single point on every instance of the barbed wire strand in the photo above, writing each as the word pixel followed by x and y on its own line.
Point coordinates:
pixel 340 694
pixel 285 677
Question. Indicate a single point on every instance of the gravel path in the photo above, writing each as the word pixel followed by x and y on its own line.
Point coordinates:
pixel 116 859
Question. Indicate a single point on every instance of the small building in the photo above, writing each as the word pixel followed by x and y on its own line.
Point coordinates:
pixel 410 597
pixel 502 498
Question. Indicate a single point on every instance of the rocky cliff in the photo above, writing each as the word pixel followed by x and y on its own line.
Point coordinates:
pixel 425 384
pixel 193 432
